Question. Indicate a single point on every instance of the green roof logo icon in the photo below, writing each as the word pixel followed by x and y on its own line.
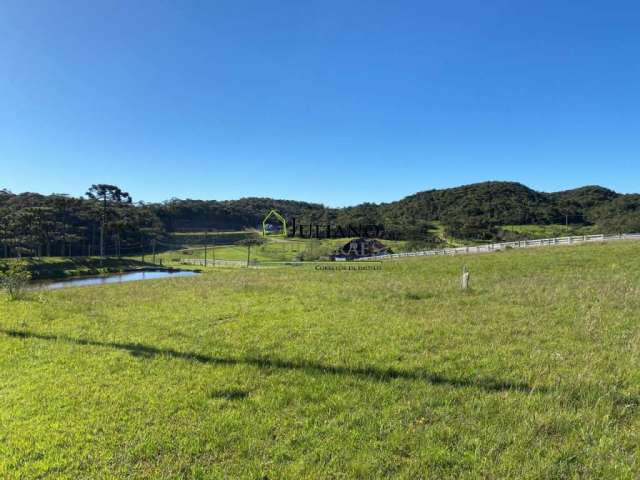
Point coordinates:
pixel 274 225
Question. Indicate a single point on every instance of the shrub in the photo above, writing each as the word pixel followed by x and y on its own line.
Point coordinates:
pixel 15 279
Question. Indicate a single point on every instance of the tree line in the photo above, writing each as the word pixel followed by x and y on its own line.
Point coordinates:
pixel 106 220
pixel 477 211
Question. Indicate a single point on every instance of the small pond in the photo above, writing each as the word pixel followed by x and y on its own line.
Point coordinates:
pixel 111 278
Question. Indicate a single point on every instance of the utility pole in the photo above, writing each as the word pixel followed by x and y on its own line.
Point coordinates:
pixel 101 242
pixel 206 238
pixel 93 237
pixel 104 219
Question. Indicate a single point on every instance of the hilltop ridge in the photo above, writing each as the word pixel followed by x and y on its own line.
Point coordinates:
pixel 477 211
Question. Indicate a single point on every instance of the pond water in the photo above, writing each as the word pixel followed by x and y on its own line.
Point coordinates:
pixel 112 278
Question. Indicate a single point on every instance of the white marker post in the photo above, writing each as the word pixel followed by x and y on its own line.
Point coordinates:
pixel 466 278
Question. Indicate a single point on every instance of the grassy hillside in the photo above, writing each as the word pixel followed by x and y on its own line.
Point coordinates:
pixel 550 231
pixel 211 238
pixel 285 373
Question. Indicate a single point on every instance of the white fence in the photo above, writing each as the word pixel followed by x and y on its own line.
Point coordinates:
pixel 214 263
pixel 495 247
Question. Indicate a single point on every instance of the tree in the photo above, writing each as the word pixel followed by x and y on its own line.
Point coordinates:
pixel 108 196
pixel 15 278
pixel 249 242
pixel 4 231
pixel 621 215
pixel 68 228
pixel 30 228
pixel 45 229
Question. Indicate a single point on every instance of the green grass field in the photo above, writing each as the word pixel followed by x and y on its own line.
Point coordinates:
pixel 290 373
pixel 187 239
pixel 551 231
pixel 275 249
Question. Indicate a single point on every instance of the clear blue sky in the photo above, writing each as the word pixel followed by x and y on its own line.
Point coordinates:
pixel 337 102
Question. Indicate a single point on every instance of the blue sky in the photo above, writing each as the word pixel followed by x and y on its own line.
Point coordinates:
pixel 337 102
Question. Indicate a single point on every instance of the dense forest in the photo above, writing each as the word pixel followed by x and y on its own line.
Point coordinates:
pixel 105 221
pixel 58 224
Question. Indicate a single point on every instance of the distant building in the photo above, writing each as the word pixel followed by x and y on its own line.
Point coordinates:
pixel 273 228
pixel 361 247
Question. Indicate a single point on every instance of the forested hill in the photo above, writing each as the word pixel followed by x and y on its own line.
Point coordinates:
pixel 469 211
pixel 477 211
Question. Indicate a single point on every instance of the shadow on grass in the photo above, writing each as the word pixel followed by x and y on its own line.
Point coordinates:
pixel 373 373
